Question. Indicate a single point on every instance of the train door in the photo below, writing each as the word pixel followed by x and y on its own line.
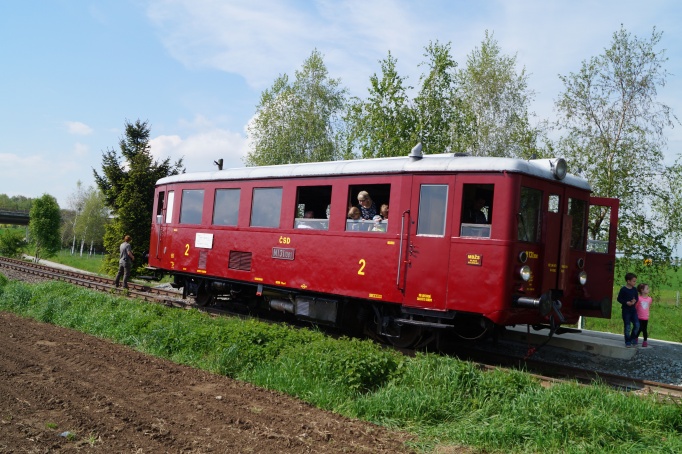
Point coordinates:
pixel 162 220
pixel 426 239
pixel 601 251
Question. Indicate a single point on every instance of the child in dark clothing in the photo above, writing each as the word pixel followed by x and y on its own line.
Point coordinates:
pixel 627 297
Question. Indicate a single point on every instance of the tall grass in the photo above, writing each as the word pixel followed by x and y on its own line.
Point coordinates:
pixel 442 401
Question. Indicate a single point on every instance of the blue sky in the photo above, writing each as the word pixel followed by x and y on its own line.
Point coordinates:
pixel 73 71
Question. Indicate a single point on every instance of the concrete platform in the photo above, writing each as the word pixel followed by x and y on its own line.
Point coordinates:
pixel 595 342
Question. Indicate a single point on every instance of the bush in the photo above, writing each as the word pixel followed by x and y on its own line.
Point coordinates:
pixel 12 243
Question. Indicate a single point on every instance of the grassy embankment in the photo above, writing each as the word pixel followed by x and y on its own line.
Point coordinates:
pixel 442 401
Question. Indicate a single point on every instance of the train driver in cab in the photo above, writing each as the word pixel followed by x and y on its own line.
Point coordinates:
pixel 476 214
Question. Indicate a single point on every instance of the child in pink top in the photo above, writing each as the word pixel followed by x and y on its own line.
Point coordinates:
pixel 642 306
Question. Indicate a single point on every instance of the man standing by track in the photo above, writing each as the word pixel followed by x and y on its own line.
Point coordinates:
pixel 125 262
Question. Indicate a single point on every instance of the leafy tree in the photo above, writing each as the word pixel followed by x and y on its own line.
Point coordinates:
pixel 499 99
pixel 615 138
pixel 44 227
pixel 15 203
pixel 12 243
pixel 127 183
pixel 86 220
pixel 384 124
pixel 445 120
pixel 298 121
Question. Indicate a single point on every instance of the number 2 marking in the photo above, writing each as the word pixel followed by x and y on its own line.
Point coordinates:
pixel 362 263
pixel 187 249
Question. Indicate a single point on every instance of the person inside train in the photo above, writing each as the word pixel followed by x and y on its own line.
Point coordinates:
pixel 377 225
pixel 476 214
pixel 368 208
pixel 353 219
pixel 383 211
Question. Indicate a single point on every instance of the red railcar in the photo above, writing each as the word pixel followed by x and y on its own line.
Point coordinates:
pixel 280 236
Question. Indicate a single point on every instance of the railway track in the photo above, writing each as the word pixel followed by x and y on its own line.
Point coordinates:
pixel 547 373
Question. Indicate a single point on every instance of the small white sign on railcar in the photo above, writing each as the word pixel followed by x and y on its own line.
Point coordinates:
pixel 204 240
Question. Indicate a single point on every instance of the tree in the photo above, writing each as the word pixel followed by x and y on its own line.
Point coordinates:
pixel 445 120
pixel 385 124
pixel 299 121
pixel 12 243
pixel 499 99
pixel 86 220
pixel 128 190
pixel 44 227
pixel 615 138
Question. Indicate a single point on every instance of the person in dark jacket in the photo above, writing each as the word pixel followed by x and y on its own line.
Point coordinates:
pixel 627 297
pixel 125 262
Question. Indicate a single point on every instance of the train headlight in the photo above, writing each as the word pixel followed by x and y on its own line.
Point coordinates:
pixel 559 168
pixel 525 272
pixel 582 277
pixel 523 256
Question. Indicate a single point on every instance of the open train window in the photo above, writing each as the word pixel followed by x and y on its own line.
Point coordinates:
pixel 529 215
pixel 577 209
pixel 266 207
pixel 159 207
pixel 192 206
pixel 477 210
pixel 226 206
pixel 313 204
pixel 365 203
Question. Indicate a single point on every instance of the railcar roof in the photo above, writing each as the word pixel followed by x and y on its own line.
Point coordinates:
pixel 436 163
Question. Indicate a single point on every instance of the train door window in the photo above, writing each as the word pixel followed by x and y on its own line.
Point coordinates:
pixel 226 206
pixel 529 215
pixel 554 201
pixel 192 206
pixel 313 204
pixel 477 210
pixel 159 207
pixel 365 203
pixel 169 206
pixel 599 228
pixel 433 204
pixel 266 207
pixel 577 209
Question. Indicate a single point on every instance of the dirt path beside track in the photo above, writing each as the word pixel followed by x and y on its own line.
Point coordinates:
pixel 63 391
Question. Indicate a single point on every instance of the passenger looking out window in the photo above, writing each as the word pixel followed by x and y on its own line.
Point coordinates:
pixel 368 208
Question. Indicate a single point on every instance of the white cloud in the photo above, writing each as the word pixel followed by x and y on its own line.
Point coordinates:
pixel 81 150
pixel 78 128
pixel 201 149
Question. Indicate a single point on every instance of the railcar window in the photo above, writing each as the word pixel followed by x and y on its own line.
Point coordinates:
pixel 169 206
pixel 577 209
pixel 266 207
pixel 368 208
pixel 159 207
pixel 477 210
pixel 529 215
pixel 313 205
pixel 553 206
pixel 598 229
pixel 192 206
pixel 226 206
pixel 433 203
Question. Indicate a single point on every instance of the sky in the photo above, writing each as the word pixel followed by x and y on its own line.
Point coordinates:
pixel 72 72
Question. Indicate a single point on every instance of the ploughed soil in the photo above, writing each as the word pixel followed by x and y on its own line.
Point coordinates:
pixel 64 391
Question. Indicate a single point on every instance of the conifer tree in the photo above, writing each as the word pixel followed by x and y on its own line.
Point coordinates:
pixel 127 182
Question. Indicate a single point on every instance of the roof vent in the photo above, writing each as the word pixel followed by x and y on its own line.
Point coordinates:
pixel 416 153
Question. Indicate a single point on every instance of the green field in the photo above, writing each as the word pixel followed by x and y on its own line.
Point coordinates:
pixel 446 403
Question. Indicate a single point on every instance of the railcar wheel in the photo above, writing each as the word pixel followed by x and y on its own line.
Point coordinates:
pixel 410 336
pixel 203 299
